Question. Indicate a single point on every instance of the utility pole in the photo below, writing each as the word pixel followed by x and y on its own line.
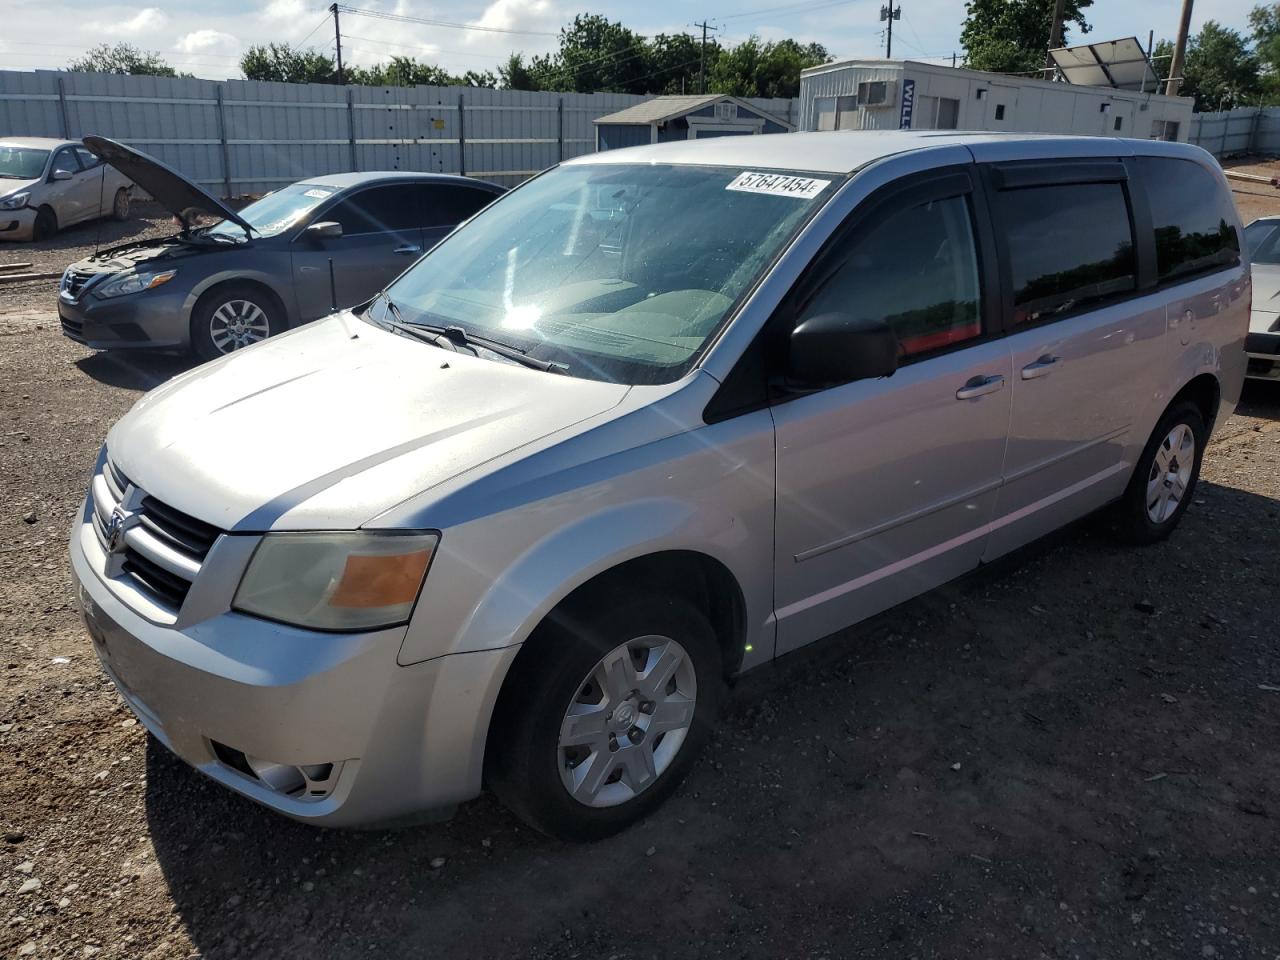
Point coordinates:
pixel 702 57
pixel 1055 31
pixel 888 14
pixel 1179 52
pixel 337 39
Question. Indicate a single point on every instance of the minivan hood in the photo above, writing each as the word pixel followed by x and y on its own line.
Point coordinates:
pixel 329 425
pixel 167 186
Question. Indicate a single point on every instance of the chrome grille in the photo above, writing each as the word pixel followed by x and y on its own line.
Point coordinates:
pixel 73 282
pixel 159 549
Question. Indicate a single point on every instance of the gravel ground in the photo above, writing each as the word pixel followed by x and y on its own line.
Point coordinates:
pixel 1075 752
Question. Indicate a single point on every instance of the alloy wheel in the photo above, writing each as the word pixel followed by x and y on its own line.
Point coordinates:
pixel 121 208
pixel 1170 473
pixel 237 324
pixel 627 722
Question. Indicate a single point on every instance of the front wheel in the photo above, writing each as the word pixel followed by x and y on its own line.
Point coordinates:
pixel 603 715
pixel 231 318
pixel 46 225
pixel 120 206
pixel 1164 478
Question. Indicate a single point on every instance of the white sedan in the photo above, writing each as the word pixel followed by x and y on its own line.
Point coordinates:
pixel 47 184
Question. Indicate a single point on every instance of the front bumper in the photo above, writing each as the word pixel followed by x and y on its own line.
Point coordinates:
pixel 153 318
pixel 1263 352
pixel 377 741
pixel 17 224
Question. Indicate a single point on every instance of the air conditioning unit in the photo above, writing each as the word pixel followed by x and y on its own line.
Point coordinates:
pixel 874 94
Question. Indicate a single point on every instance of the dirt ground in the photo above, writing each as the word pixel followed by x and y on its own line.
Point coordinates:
pixel 1074 753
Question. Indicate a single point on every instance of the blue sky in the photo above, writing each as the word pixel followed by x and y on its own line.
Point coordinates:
pixel 207 37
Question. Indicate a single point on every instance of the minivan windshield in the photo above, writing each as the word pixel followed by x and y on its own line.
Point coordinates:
pixel 276 212
pixel 21 163
pixel 617 272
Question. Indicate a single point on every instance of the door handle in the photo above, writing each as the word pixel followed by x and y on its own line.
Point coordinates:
pixel 1040 368
pixel 979 386
pixel 407 248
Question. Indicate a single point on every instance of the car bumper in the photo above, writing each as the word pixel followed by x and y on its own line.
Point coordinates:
pixel 1263 352
pixel 153 318
pixel 17 224
pixel 325 728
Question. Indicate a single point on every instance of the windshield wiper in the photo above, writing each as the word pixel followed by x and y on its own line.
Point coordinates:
pixel 461 338
pixel 397 324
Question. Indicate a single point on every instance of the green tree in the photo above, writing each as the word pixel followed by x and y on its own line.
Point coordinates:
pixel 515 74
pixel 758 69
pixel 1264 22
pixel 123 58
pixel 1012 36
pixel 673 62
pixel 281 62
pixel 596 55
pixel 1219 70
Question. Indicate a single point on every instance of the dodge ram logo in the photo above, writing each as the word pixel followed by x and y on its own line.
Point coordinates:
pixel 121 520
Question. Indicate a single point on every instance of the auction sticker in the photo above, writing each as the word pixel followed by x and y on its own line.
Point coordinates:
pixel 780 185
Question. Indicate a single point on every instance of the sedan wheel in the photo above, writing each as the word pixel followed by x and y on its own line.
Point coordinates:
pixel 120 208
pixel 237 324
pixel 628 721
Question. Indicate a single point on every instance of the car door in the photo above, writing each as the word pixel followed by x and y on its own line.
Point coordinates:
pixel 97 192
pixel 381 237
pixel 67 197
pixel 885 487
pixel 1263 240
pixel 445 205
pixel 1088 345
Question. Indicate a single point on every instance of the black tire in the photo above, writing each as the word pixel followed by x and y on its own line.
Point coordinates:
pixel 46 225
pixel 1135 522
pixel 120 205
pixel 241 298
pixel 523 760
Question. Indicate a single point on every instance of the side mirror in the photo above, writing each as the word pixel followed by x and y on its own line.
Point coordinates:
pixel 834 348
pixel 61 175
pixel 324 230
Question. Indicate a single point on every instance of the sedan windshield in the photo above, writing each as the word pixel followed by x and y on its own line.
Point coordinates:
pixel 276 212
pixel 21 163
pixel 615 272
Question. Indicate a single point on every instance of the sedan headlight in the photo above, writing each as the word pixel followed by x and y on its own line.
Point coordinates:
pixel 15 201
pixel 133 282
pixel 336 581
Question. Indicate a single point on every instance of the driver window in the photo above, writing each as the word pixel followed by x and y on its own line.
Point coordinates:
pixel 65 159
pixel 917 270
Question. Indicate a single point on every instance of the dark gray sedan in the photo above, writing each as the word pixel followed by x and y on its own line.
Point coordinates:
pixel 291 257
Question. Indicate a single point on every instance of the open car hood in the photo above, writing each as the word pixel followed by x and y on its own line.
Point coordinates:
pixel 167 186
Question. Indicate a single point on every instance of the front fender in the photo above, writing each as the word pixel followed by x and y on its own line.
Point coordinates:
pixel 707 491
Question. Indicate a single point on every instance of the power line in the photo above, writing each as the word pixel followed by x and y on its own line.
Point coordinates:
pixel 401 18
pixel 803 7
pixel 323 21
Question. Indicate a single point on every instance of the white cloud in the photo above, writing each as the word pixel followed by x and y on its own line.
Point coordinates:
pixel 285 10
pixel 200 40
pixel 144 23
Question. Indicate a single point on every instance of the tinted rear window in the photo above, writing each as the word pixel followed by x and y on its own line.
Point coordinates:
pixel 378 210
pixel 1192 216
pixel 1070 246
pixel 447 205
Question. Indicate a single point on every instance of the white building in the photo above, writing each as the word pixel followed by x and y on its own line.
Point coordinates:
pixel 907 94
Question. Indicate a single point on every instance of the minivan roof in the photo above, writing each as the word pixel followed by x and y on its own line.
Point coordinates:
pixel 845 151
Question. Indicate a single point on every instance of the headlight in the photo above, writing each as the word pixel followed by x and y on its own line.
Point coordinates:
pixel 15 201
pixel 133 282
pixel 336 581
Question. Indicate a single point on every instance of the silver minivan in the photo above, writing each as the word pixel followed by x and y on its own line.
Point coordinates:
pixel 648 421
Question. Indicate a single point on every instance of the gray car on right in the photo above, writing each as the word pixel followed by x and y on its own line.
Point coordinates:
pixel 650 420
